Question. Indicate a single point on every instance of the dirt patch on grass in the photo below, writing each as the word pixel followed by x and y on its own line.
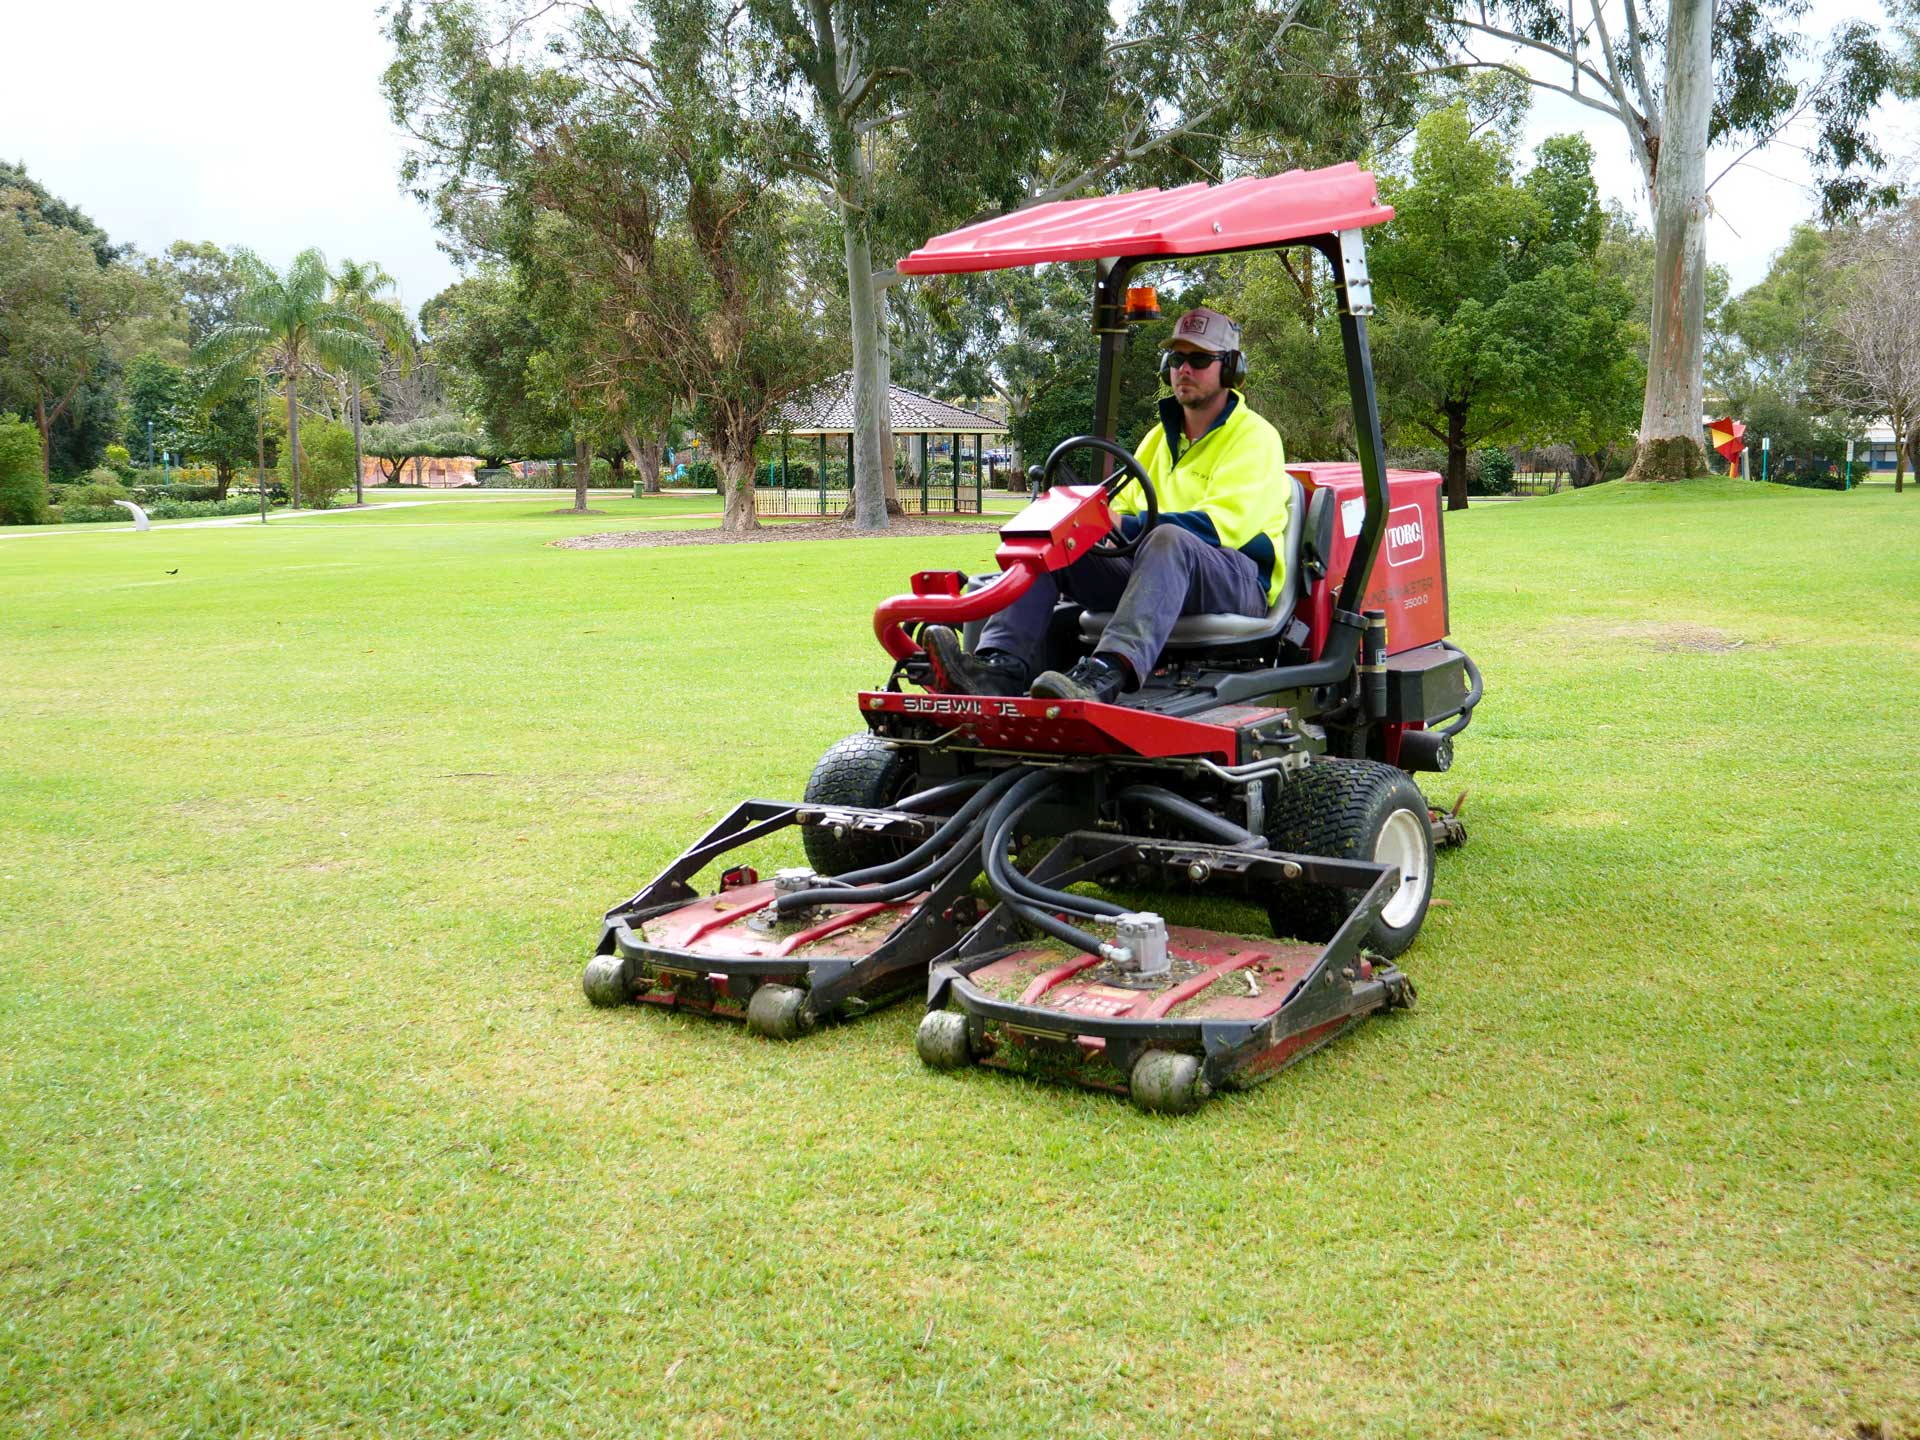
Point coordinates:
pixel 1696 639
pixel 569 510
pixel 897 529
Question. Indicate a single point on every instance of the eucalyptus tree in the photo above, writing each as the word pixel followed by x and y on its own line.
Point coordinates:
pixel 1874 351
pixel 678 231
pixel 1681 79
pixel 361 289
pixel 290 324
pixel 1496 324
pixel 907 116
pixel 61 309
pixel 919 116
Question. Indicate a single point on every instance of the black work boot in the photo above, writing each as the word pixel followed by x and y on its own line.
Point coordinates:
pixel 1093 678
pixel 990 672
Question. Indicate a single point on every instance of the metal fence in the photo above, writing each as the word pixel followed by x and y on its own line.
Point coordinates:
pixel 832 501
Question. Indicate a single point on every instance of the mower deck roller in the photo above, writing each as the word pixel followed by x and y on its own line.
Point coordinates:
pixel 1214 1011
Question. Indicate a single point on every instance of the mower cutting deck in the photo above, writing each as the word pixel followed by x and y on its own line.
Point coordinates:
pixel 1266 760
pixel 1190 1011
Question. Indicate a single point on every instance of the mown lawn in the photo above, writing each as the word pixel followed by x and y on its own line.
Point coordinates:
pixel 309 1130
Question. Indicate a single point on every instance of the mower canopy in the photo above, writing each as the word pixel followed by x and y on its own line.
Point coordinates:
pixel 1144 224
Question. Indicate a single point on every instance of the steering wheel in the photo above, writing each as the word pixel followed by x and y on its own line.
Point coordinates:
pixel 1130 472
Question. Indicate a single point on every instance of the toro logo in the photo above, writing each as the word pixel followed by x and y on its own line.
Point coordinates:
pixel 1406 535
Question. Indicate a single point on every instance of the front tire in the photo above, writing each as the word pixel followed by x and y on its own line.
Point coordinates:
pixel 1354 810
pixel 860 770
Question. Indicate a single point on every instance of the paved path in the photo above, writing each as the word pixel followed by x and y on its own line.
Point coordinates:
pixel 253 519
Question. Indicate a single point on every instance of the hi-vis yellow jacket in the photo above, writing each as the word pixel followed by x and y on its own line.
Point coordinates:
pixel 1228 487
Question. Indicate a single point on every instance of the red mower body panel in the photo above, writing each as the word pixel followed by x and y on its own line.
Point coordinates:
pixel 1227 734
pixel 1409 581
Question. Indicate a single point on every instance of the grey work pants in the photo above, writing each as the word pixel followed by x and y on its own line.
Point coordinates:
pixel 1173 573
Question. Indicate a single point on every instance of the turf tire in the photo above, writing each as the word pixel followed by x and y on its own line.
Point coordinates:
pixel 859 770
pixel 1340 808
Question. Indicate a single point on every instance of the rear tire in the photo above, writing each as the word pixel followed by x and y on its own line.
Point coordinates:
pixel 860 770
pixel 1353 810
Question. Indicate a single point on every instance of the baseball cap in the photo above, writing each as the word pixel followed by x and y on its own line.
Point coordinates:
pixel 1206 329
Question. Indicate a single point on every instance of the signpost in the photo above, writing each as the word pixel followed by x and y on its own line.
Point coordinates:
pixel 1766 449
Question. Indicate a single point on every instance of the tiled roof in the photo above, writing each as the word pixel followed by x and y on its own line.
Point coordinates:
pixel 829 411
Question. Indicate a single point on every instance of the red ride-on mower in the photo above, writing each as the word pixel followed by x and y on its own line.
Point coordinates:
pixel 1266 759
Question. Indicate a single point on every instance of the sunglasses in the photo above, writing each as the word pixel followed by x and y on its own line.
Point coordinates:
pixel 1171 360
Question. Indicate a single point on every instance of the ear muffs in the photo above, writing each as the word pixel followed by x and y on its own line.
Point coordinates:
pixel 1233 369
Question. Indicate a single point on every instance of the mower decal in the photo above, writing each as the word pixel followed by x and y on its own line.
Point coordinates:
pixel 1406 535
pixel 957 705
pixel 1352 512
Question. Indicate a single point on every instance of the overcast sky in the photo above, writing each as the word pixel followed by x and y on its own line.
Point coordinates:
pixel 263 125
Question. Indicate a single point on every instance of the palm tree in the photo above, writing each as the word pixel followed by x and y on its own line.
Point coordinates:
pixel 359 288
pixel 286 321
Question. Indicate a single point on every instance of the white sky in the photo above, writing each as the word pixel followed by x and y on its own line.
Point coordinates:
pixel 263 125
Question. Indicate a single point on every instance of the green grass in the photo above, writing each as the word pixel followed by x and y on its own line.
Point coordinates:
pixel 309 1130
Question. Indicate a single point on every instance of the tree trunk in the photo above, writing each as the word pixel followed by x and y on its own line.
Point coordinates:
pixel 222 478
pixel 293 442
pixel 646 459
pixel 869 381
pixel 1902 454
pixel 1670 446
pixel 1456 456
pixel 46 442
pixel 889 465
pixel 736 476
pixel 619 463
pixel 359 464
pixel 582 473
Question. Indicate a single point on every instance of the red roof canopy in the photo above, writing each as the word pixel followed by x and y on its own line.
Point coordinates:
pixel 1192 220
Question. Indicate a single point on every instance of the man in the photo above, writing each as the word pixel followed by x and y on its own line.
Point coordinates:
pixel 1220 475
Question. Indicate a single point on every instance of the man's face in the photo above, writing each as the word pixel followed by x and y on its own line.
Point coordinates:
pixel 1192 387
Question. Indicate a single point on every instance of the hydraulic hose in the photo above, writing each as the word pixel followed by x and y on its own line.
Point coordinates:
pixel 939 795
pixel 1475 689
pixel 899 878
pixel 897 889
pixel 934 843
pixel 1200 818
pixel 1008 881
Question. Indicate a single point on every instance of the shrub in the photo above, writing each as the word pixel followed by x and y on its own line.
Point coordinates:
pixel 195 509
pixel 23 489
pixel 157 493
pixel 701 474
pixel 1495 473
pixel 96 490
pixel 118 460
pixel 503 478
pixel 328 449
pixel 601 475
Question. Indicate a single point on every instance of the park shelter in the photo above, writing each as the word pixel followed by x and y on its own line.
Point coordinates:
pixel 819 426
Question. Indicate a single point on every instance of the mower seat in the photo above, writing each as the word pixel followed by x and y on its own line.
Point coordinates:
pixel 1199 632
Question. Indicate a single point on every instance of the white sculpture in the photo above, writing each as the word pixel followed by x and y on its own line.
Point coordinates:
pixel 140 521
